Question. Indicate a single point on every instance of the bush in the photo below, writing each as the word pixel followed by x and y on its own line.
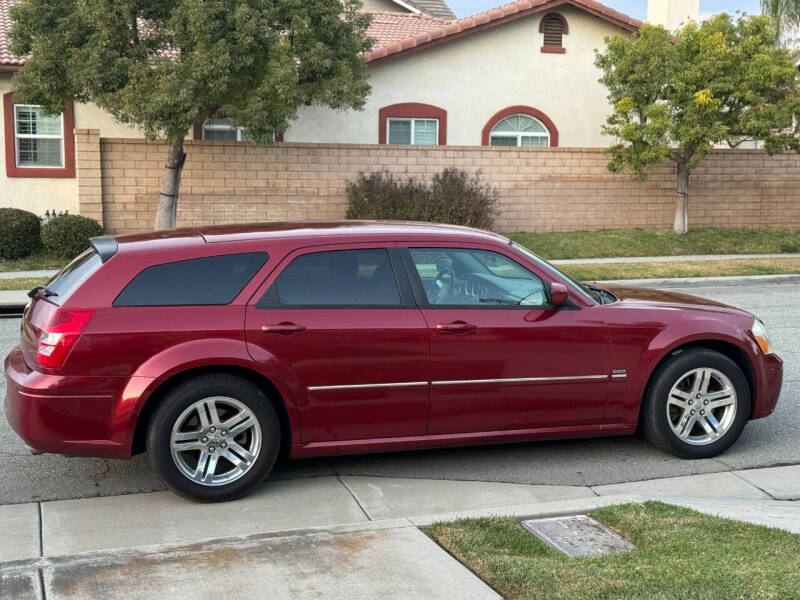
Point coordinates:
pixel 19 232
pixel 452 197
pixel 68 235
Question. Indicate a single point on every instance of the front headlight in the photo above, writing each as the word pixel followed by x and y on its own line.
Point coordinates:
pixel 762 337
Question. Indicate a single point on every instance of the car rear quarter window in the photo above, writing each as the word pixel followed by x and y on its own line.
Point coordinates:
pixel 335 278
pixel 197 281
pixel 72 276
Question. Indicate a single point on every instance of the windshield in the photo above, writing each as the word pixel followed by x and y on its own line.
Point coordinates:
pixel 579 287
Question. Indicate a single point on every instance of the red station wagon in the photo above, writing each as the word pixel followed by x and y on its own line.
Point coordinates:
pixel 215 349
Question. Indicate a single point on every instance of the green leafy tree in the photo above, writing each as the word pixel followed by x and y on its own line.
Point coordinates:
pixel 162 65
pixel 675 97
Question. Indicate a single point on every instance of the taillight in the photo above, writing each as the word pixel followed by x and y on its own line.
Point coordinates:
pixel 60 334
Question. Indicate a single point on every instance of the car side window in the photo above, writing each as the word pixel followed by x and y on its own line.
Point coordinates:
pixel 198 281
pixel 335 278
pixel 470 277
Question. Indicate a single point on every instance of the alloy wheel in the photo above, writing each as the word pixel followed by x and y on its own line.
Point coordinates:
pixel 215 441
pixel 701 406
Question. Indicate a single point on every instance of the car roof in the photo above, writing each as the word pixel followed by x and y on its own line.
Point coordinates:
pixel 316 231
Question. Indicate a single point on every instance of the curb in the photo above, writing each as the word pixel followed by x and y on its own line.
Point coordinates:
pixel 679 282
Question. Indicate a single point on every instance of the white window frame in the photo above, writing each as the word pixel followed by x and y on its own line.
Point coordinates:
pixel 413 134
pixel 520 134
pixel 239 130
pixel 36 136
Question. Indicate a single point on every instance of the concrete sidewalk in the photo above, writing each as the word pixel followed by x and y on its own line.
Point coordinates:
pixel 332 537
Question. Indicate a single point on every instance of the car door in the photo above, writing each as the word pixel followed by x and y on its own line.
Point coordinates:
pixel 348 340
pixel 501 357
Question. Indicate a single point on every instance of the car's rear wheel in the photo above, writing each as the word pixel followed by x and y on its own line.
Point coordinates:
pixel 697 404
pixel 214 437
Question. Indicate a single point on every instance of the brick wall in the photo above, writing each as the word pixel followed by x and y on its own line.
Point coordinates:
pixel 541 189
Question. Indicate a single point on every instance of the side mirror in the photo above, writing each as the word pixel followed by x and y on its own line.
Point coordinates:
pixel 558 295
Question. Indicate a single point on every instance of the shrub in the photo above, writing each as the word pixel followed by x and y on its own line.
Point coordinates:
pixel 19 232
pixel 68 235
pixel 453 196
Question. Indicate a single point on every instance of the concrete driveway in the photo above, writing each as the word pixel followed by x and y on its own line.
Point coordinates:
pixel 768 442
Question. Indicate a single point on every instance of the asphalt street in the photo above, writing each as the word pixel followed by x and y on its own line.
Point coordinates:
pixel 767 442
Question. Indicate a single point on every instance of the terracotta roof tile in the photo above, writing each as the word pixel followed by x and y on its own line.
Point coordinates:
pixel 388 27
pixel 476 22
pixel 6 58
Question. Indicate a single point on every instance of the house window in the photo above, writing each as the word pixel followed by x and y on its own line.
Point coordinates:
pixel 413 132
pixel 38 144
pixel 553 27
pixel 224 128
pixel 519 130
pixel 38 138
pixel 412 123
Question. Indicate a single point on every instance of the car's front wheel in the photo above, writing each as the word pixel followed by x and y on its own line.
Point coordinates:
pixel 697 404
pixel 214 437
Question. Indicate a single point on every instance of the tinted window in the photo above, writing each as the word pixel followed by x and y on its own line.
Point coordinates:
pixel 464 277
pixel 338 278
pixel 70 278
pixel 198 281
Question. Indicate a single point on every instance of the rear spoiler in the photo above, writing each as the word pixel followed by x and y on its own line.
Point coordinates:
pixel 105 245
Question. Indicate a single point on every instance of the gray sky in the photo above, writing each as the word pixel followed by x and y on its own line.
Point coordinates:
pixel 634 8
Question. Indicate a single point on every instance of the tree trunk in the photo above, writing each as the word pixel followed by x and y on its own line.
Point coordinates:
pixel 681 224
pixel 167 210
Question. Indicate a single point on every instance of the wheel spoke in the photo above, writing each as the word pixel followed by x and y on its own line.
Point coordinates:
pixel 707 426
pixel 211 406
pixel 245 455
pixel 211 468
pixel 186 436
pixel 239 425
pixel 188 446
pixel 686 424
pixel 201 466
pixel 680 395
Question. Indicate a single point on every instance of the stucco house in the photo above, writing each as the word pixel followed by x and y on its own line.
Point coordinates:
pixel 521 74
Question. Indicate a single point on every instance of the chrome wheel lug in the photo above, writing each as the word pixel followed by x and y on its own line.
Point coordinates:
pixel 691 412
pixel 691 402
pixel 223 445
pixel 702 412
pixel 212 429
pixel 224 433
pixel 705 402
pixel 211 448
pixel 204 440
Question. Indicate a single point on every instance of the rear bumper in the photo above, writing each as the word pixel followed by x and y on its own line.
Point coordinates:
pixel 65 414
pixel 769 379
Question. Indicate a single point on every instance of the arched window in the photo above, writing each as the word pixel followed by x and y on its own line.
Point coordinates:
pixel 519 126
pixel 553 26
pixel 519 130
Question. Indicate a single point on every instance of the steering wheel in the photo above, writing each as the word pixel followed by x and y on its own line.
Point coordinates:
pixel 443 284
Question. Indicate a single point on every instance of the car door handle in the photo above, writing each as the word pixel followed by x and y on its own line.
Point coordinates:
pixel 456 327
pixel 283 328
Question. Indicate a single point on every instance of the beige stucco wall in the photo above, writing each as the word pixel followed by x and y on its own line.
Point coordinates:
pixel 39 194
pixel 474 77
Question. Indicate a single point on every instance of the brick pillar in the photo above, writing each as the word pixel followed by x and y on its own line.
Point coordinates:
pixel 90 189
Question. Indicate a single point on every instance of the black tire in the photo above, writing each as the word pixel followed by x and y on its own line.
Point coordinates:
pixel 655 425
pixel 184 395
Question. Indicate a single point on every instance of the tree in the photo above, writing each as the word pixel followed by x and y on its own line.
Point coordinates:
pixel 676 96
pixel 785 14
pixel 162 65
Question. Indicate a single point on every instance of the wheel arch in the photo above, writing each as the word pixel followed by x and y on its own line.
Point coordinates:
pixel 259 379
pixel 729 349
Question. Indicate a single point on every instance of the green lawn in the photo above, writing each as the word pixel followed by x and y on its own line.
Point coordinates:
pixel 22 283
pixel 716 268
pixel 681 555
pixel 35 262
pixel 660 242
